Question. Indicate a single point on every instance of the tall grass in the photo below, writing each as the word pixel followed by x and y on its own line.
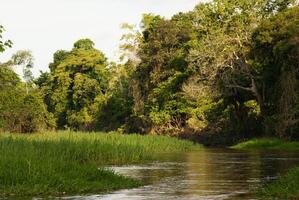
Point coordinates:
pixel 71 163
pixel 267 143
pixel 286 187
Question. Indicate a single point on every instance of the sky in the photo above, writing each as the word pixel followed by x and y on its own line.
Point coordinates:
pixel 45 26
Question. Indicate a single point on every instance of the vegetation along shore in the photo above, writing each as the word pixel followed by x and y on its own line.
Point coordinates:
pixel 286 186
pixel 67 163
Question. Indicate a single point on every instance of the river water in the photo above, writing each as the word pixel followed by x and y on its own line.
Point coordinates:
pixel 210 174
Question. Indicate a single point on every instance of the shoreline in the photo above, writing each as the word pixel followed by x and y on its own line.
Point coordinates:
pixel 67 163
pixel 286 186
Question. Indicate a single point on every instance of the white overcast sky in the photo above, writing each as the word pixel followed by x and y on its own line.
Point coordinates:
pixel 45 26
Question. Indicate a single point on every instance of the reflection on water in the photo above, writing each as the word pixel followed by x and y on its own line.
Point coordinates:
pixel 209 174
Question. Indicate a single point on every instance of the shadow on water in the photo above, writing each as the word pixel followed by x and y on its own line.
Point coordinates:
pixel 208 174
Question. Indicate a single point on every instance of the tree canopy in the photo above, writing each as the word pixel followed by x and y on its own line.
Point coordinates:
pixel 76 85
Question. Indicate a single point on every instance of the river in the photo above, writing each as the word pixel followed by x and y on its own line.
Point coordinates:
pixel 210 174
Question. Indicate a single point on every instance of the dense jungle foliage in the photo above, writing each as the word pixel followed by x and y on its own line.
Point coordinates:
pixel 228 69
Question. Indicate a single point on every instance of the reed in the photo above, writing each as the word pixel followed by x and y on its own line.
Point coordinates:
pixel 285 187
pixel 64 163
pixel 267 143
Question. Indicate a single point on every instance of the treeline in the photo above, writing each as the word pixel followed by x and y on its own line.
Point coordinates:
pixel 227 68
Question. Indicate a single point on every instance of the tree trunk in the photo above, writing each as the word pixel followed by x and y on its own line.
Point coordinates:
pixel 258 96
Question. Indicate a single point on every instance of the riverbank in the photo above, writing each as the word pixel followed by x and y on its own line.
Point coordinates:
pixel 67 163
pixel 267 144
pixel 286 186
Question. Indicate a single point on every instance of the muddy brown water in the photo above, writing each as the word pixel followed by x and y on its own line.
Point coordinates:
pixel 210 174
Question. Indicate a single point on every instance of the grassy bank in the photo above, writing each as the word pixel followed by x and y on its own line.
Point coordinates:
pixel 72 163
pixel 267 143
pixel 285 187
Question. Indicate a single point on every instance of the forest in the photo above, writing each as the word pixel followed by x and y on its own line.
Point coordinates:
pixel 225 72
pixel 227 69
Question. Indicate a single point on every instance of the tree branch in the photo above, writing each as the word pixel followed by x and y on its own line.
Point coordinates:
pixel 240 87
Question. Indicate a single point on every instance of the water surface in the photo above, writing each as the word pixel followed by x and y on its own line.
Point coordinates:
pixel 210 174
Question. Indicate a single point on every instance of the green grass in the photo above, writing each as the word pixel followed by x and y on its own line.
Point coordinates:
pixel 286 187
pixel 267 143
pixel 67 163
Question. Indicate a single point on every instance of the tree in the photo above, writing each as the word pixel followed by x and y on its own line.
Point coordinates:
pixel 220 57
pixel 8 78
pixel 22 58
pixel 75 87
pixel 118 105
pixel 275 50
pixel 19 111
pixel 25 59
pixel 158 77
pixel 219 51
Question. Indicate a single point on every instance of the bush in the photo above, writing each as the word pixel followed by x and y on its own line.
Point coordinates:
pixel 23 113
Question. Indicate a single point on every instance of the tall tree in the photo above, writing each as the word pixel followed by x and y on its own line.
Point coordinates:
pixel 25 59
pixel 220 56
pixel 20 111
pixel 158 77
pixel 76 85
pixel 275 50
